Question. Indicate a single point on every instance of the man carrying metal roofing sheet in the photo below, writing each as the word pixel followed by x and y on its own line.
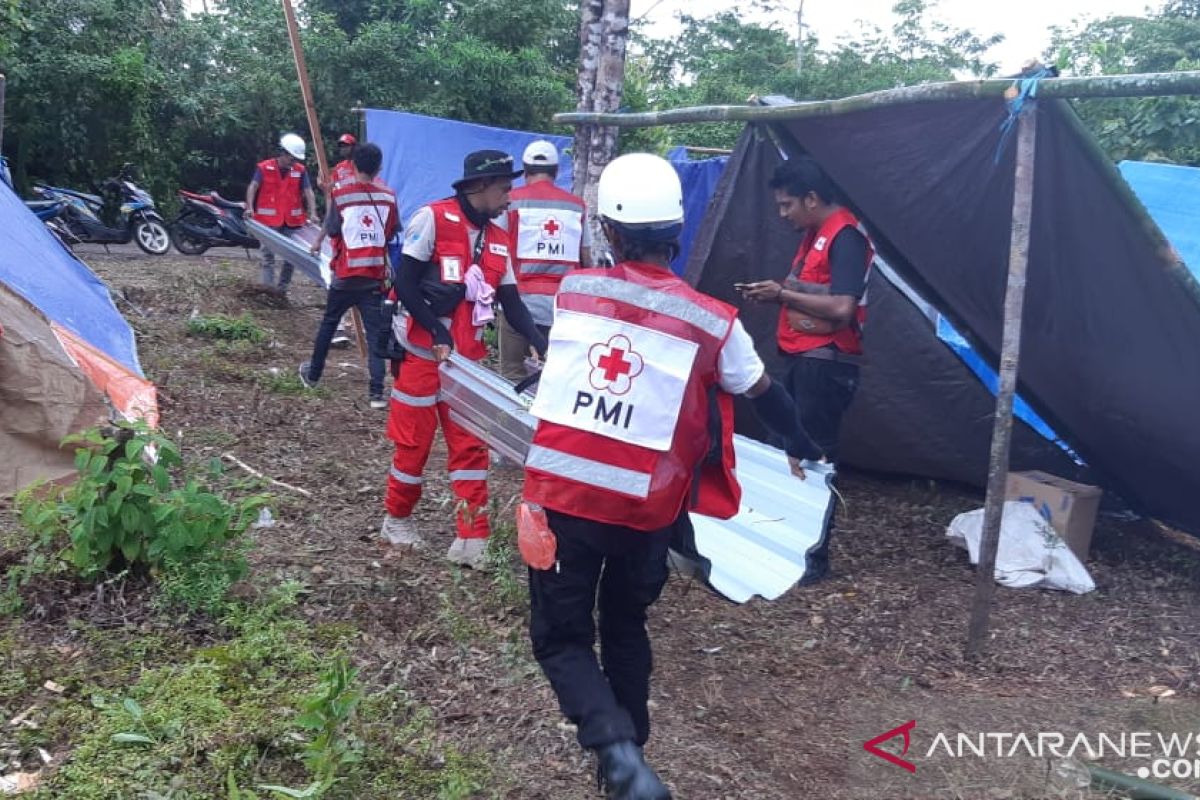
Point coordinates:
pixel 361 222
pixel 823 307
pixel 455 265
pixel 635 428
pixel 277 197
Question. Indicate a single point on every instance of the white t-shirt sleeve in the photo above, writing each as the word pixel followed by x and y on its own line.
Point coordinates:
pixel 418 237
pixel 510 277
pixel 738 362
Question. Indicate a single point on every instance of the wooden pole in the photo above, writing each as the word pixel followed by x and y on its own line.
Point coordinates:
pixel 1010 354
pixel 314 129
pixel 1158 84
pixel 310 108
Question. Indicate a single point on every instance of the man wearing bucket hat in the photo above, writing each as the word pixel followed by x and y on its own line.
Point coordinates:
pixel 455 264
pixel 550 237
pixel 635 429
pixel 277 196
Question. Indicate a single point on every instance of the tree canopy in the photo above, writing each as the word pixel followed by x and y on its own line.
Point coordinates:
pixel 195 97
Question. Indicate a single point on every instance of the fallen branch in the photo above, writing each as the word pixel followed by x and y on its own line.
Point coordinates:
pixel 238 462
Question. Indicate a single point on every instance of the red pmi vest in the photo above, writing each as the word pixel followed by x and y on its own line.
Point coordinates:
pixel 279 202
pixel 581 468
pixel 453 254
pixel 811 265
pixel 369 219
pixel 343 172
pixel 545 224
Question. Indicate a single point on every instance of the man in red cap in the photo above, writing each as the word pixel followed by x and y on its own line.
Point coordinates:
pixel 343 170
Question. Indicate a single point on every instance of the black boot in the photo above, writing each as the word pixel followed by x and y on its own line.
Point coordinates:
pixel 625 775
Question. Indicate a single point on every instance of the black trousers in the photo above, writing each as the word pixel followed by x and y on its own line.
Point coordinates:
pixel 338 302
pixel 618 572
pixel 822 391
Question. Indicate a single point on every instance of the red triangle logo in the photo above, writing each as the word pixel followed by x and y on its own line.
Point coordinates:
pixel 872 746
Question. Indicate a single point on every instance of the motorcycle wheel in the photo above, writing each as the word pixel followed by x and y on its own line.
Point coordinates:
pixel 152 237
pixel 186 244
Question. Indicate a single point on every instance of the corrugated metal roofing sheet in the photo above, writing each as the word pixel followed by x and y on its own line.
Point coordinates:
pixel 761 551
pixel 296 249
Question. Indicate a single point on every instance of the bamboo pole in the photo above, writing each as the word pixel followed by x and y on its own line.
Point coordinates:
pixel 314 129
pixel 1157 84
pixel 1135 788
pixel 1010 354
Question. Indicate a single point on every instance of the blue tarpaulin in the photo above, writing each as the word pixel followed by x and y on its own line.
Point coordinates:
pixel 423 155
pixel 1172 196
pixel 36 266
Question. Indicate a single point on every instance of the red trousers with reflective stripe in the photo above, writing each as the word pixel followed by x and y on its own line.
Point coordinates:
pixel 412 422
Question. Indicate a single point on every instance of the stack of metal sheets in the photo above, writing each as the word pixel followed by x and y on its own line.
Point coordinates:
pixel 296 249
pixel 761 551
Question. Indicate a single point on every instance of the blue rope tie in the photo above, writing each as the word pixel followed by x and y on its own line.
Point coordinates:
pixel 1026 92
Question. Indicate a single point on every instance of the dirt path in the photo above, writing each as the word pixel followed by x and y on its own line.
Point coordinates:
pixel 761 701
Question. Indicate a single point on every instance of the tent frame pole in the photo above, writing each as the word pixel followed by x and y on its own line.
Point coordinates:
pixel 314 129
pixel 1010 353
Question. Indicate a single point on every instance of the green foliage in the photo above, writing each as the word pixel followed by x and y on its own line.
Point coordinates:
pixel 1150 129
pixel 196 98
pixel 133 507
pixel 723 59
pixel 242 328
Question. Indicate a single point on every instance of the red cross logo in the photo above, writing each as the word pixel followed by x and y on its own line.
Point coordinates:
pixel 552 227
pixel 614 365
pixel 368 221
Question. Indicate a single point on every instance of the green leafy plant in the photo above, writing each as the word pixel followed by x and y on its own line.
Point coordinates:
pixel 222 326
pixel 135 507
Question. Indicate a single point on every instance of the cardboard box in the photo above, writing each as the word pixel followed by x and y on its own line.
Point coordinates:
pixel 1069 507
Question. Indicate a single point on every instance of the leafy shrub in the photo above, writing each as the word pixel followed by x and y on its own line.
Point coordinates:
pixel 134 507
pixel 222 326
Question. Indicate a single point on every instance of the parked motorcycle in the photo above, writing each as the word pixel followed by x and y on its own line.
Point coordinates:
pixel 50 212
pixel 120 213
pixel 209 220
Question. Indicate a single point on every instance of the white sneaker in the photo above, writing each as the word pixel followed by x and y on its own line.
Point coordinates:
pixel 378 402
pixel 401 532
pixel 469 553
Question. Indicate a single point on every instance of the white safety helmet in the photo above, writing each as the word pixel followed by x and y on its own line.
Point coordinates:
pixel 293 145
pixel 640 190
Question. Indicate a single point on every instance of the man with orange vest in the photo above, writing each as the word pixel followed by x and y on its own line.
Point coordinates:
pixel 455 265
pixel 277 197
pixel 362 219
pixel 635 427
pixel 823 306
pixel 343 172
pixel 550 237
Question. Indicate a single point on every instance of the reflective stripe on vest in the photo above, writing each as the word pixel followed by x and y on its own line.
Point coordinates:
pixel 549 268
pixel 366 261
pixel 646 299
pixel 587 471
pixel 533 202
pixel 266 211
pixel 363 197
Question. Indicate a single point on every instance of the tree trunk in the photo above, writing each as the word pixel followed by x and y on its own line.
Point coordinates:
pixel 603 33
